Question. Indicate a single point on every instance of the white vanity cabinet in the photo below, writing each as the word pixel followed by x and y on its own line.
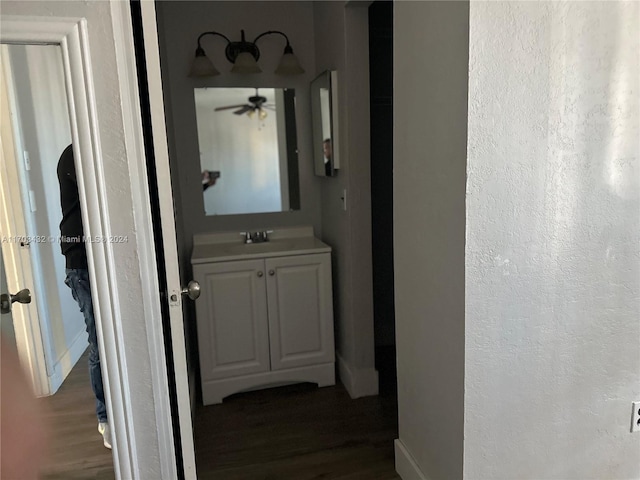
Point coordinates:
pixel 265 317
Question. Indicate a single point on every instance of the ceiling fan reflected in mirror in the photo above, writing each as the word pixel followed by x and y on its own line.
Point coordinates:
pixel 257 104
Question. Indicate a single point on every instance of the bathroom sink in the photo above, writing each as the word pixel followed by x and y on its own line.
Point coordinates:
pixel 226 246
pixel 264 247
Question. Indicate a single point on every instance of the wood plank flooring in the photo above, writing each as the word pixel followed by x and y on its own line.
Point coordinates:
pixel 298 432
pixel 76 449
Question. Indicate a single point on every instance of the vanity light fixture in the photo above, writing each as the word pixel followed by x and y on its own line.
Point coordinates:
pixel 244 55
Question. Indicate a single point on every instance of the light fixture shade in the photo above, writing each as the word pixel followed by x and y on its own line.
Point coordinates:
pixel 245 63
pixel 202 67
pixel 289 65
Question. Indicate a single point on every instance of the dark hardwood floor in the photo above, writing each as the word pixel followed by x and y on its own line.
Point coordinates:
pixel 297 432
pixel 76 449
pixel 301 432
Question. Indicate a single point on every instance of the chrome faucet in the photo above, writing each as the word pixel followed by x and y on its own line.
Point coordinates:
pixel 264 235
pixel 256 237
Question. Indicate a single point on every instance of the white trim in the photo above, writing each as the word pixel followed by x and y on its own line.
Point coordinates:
pixel 91 185
pixel 163 177
pixel 31 29
pixel 406 466
pixel 68 359
pixel 335 118
pixel 359 382
pixel 134 145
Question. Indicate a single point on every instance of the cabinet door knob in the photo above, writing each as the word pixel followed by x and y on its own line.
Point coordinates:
pixel 260 274
pixel 272 273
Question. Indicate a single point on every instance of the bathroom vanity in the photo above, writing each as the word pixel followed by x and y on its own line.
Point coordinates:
pixel 265 316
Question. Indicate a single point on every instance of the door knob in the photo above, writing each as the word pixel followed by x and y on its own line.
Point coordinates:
pixel 192 290
pixel 272 273
pixel 23 296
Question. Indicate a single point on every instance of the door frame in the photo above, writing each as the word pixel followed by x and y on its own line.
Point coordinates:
pixel 131 458
pixel 185 448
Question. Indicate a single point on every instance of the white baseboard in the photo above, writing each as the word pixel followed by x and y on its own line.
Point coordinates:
pixel 406 466
pixel 359 382
pixel 68 360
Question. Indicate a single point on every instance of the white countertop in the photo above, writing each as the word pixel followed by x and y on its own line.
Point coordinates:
pixel 222 247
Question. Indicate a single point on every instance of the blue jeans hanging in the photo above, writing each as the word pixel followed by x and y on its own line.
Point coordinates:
pixel 78 281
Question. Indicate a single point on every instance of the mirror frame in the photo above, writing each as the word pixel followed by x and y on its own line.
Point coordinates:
pixel 327 80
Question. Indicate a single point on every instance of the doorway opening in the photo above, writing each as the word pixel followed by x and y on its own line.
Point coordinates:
pixel 50 332
pixel 381 112
pixel 241 438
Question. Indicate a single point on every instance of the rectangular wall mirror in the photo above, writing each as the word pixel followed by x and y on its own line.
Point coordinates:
pixel 248 150
pixel 324 110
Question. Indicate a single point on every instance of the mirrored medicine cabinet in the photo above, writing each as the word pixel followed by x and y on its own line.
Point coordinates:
pixel 324 112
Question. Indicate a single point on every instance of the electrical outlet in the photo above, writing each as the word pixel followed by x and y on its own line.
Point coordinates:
pixel 635 417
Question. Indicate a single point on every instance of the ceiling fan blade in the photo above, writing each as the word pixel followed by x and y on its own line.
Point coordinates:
pixel 269 107
pixel 244 109
pixel 229 107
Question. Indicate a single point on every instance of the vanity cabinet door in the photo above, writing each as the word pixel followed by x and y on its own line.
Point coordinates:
pixel 233 336
pixel 300 310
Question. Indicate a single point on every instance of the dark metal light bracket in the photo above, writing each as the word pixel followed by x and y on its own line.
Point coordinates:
pixel 233 49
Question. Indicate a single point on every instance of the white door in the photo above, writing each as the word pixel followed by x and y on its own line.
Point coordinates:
pixel 175 290
pixel 6 320
pixel 15 251
pixel 300 310
pixel 233 335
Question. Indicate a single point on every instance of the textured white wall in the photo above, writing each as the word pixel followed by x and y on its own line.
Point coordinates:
pixel 430 131
pixel 553 261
